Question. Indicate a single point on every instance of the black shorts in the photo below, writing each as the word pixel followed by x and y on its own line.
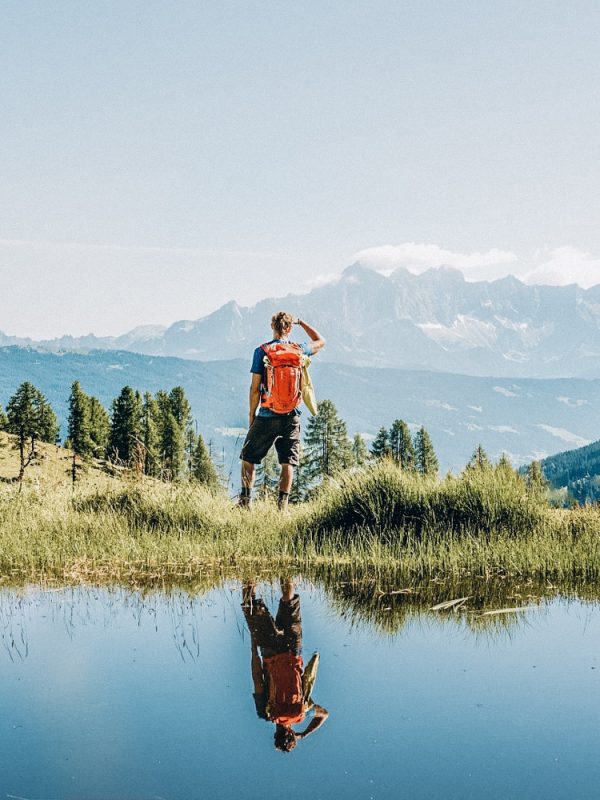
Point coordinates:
pixel 283 431
pixel 280 635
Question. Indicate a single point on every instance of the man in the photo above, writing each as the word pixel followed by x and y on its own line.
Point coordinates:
pixel 282 686
pixel 277 387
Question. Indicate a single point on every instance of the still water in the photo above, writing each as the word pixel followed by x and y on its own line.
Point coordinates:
pixel 110 693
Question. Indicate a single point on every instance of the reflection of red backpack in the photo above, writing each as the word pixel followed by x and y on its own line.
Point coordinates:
pixel 286 695
pixel 282 383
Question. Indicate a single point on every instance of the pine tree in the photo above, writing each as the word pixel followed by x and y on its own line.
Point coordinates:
pixel 3 419
pixel 401 445
pixel 504 467
pixel 328 449
pixel 381 444
pixel 479 459
pixel 267 478
pixel 426 461
pixel 535 478
pixel 172 448
pixel 360 451
pixel 149 435
pixel 99 427
pixel 125 427
pixel 48 423
pixel 78 426
pixel 182 411
pixel 31 419
pixel 301 483
pixel 203 470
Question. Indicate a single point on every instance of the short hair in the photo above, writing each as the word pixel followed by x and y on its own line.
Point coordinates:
pixel 285 738
pixel 281 322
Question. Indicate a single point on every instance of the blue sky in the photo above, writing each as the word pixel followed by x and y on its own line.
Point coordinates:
pixel 158 159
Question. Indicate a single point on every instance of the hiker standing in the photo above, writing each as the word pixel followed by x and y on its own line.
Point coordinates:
pixel 277 388
pixel 282 685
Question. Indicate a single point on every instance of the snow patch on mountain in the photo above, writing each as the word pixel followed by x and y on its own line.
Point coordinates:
pixel 572 403
pixel 231 431
pixel 565 435
pixel 503 391
pixel 467 330
pixel 502 428
pixel 440 404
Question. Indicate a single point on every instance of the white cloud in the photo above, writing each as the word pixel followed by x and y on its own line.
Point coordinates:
pixel 566 265
pixel 418 258
pixel 557 267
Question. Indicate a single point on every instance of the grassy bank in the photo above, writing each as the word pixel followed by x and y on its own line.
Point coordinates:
pixel 482 523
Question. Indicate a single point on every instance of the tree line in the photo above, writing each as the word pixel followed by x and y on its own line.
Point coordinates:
pixel 152 435
pixel 155 435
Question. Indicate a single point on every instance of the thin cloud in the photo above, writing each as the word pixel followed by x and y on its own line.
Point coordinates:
pixel 566 265
pixel 119 248
pixel 418 258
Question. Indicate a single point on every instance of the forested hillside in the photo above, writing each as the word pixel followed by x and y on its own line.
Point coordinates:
pixel 576 470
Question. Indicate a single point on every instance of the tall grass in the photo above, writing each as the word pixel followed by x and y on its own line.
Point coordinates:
pixel 484 523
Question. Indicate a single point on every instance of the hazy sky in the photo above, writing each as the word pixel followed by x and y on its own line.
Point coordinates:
pixel 160 158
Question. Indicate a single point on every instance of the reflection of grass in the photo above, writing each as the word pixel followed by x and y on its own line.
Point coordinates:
pixel 383 598
pixel 482 524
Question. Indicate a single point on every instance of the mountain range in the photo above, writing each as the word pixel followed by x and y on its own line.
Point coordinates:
pixel 432 321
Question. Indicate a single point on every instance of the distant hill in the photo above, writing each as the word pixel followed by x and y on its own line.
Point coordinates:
pixel 527 418
pixel 577 471
pixel 432 321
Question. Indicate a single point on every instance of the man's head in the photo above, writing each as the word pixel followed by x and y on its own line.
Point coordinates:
pixel 282 323
pixel 285 738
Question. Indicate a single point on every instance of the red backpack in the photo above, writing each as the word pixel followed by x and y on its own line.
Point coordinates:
pixel 282 383
pixel 286 695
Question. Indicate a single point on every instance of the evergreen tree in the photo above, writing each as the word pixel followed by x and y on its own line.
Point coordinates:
pixel 328 449
pixel 99 427
pixel 182 411
pixel 535 479
pixel 301 484
pixel 401 445
pixel 48 422
pixel 180 407
pixel 504 467
pixel 3 419
pixel 125 427
pixel 31 419
pixel 149 435
pixel 479 459
pixel 78 426
pixel 359 451
pixel 426 461
pixel 172 448
pixel 203 470
pixel 267 478
pixel 381 444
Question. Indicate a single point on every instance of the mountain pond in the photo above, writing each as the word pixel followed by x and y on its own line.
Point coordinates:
pixel 112 693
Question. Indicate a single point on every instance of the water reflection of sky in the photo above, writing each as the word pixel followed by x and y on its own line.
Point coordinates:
pixel 123 696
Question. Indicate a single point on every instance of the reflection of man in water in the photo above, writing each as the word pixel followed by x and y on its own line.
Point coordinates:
pixel 282 688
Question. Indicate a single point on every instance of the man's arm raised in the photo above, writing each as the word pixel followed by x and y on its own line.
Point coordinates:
pixel 317 341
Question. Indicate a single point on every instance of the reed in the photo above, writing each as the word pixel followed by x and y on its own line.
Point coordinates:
pixel 481 523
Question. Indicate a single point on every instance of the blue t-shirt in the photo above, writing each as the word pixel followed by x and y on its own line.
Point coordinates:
pixel 258 368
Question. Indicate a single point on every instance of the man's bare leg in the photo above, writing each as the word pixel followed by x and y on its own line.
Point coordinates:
pixel 248 473
pixel 285 485
pixel 287 589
